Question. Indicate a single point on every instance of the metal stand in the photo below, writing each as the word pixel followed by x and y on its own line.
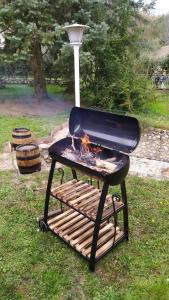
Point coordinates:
pixel 68 217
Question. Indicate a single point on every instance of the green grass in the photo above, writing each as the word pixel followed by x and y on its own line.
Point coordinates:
pixel 156 112
pixel 39 126
pixel 23 92
pixel 15 92
pixel 36 265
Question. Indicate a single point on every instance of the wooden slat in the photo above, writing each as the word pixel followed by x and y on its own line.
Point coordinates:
pixel 87 202
pixel 69 223
pixel 64 220
pixel 88 241
pixel 93 205
pixel 85 235
pixel 71 188
pixel 75 228
pixel 77 194
pixel 76 187
pixel 63 185
pixel 68 188
pixel 84 196
pixel 61 216
pixel 102 240
pixel 109 244
pixel 80 231
pixel 82 237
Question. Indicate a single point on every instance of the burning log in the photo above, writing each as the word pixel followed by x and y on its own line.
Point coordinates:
pixel 88 155
pixel 105 165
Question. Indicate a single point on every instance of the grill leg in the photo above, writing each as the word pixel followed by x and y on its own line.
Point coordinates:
pixel 125 210
pixel 74 174
pixel 52 168
pixel 97 226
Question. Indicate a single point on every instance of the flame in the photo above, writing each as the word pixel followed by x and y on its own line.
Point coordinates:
pixel 96 149
pixel 86 145
pixel 86 142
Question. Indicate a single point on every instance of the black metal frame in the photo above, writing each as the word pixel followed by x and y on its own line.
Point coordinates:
pixel 98 221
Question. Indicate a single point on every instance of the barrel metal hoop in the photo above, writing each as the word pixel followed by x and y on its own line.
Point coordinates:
pixel 29 158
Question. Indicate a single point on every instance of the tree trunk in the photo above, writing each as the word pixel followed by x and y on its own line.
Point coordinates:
pixel 38 72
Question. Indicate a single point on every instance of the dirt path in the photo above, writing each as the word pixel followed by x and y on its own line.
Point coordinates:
pixel 30 107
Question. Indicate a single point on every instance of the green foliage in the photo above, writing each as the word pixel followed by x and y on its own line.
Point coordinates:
pixel 110 67
pixel 109 57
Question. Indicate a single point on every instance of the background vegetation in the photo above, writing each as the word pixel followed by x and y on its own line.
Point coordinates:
pixel 112 74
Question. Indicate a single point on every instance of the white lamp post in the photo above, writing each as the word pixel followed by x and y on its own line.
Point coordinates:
pixel 75 33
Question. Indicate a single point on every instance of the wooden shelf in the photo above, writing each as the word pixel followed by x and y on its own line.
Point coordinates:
pixel 84 198
pixel 77 230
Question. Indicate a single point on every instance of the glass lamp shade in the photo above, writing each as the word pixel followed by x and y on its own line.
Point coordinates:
pixel 75 33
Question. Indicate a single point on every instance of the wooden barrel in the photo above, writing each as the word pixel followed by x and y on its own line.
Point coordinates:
pixel 28 158
pixel 21 136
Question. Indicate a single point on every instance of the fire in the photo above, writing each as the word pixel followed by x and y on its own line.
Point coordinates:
pixel 96 149
pixel 86 142
pixel 87 147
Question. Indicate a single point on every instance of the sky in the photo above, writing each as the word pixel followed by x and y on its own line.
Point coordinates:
pixel 162 7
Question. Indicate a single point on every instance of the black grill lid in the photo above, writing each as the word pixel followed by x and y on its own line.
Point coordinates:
pixel 118 132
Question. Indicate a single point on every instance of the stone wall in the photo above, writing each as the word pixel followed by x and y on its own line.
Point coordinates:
pixel 154 144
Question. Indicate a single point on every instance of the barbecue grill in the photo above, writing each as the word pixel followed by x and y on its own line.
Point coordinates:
pixel 98 146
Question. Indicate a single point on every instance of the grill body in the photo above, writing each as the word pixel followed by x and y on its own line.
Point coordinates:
pixel 122 161
pixel 90 225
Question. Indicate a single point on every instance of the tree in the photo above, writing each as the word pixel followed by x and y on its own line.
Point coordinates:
pixel 29 29
pixel 110 67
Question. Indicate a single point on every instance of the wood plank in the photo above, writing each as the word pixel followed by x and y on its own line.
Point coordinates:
pixel 80 231
pixel 69 223
pixel 63 191
pixel 68 190
pixel 78 193
pixel 61 216
pixel 109 244
pixel 61 186
pixel 88 241
pixel 82 237
pixel 84 196
pixel 78 225
pixel 64 220
pixel 101 241
pixel 76 188
pixel 86 202
pixel 91 207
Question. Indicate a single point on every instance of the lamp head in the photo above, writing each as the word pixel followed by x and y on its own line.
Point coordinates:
pixel 75 33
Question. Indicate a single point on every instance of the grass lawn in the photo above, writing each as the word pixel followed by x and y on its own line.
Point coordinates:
pixel 36 265
pixel 39 126
pixel 156 113
pixel 23 91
